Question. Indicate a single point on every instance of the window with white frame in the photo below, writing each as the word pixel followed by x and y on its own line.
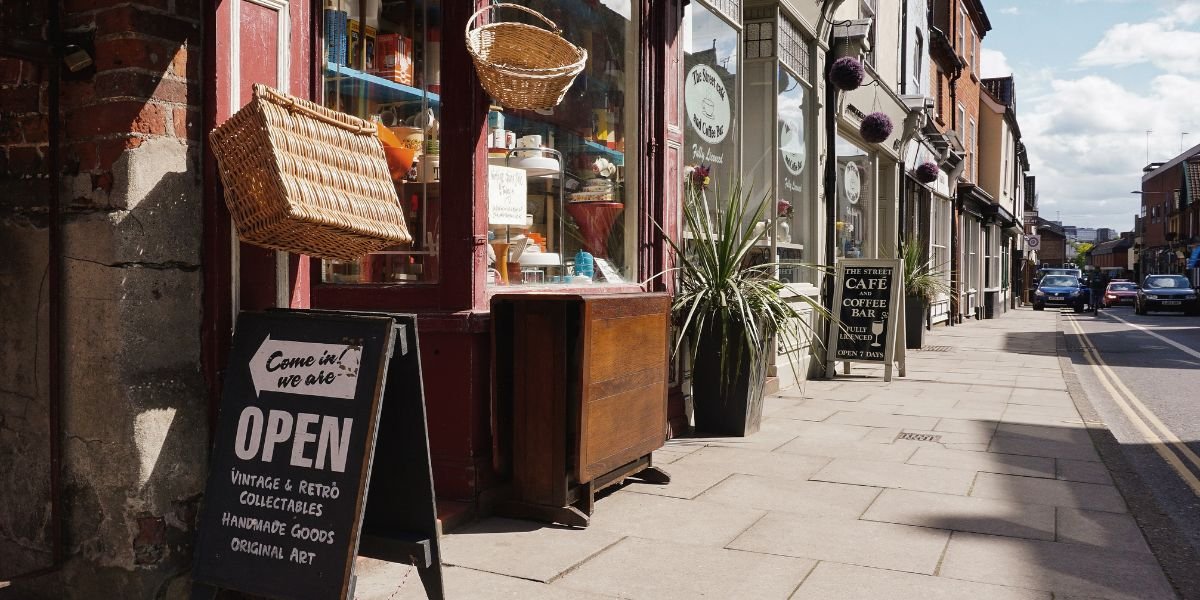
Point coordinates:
pixel 918 60
pixel 969 50
pixel 990 259
pixel 960 124
pixel 941 237
pixel 962 28
pixel 973 150
pixel 867 10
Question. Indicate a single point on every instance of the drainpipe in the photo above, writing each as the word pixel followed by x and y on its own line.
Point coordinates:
pixel 831 98
pixel 956 219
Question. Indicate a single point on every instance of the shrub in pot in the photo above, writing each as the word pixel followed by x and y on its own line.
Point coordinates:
pixel 729 307
pixel 923 283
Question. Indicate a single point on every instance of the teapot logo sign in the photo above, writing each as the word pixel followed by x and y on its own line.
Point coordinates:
pixel 1033 241
pixel 707 103
pixel 791 145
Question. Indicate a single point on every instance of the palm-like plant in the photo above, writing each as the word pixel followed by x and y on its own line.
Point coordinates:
pixel 922 278
pixel 722 297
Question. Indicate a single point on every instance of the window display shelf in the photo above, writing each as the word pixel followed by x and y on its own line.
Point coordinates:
pixel 395 92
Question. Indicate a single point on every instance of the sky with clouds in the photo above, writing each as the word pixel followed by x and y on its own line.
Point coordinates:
pixel 1092 77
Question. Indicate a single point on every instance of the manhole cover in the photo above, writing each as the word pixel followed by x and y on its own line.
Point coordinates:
pixel 935 348
pixel 919 437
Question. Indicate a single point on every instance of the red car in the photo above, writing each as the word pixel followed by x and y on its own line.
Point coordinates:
pixel 1120 292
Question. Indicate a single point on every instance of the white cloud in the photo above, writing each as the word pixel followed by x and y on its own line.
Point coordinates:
pixel 1164 42
pixel 1087 142
pixel 1010 10
pixel 993 63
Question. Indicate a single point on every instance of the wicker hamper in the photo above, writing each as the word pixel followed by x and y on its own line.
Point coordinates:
pixel 306 179
pixel 520 65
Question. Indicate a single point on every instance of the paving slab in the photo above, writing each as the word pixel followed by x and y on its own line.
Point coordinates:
pixel 1056 567
pixel 639 569
pixel 1035 446
pixel 687 481
pixel 977 426
pixel 836 581
pixel 817 431
pixel 808 498
pixel 765 439
pixel 882 420
pixel 1053 492
pixel 964 513
pixel 896 452
pixel 1100 529
pixel 718 460
pixel 673 519
pixel 523 548
pixel 459 583
pixel 990 462
pixel 1083 470
pixel 891 475
pixel 865 543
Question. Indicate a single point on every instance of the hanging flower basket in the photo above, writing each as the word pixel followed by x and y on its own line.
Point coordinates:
pixel 847 73
pixel 927 172
pixel 875 127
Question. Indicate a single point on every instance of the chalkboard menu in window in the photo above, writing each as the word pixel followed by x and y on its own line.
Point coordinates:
pixel 868 305
pixel 292 453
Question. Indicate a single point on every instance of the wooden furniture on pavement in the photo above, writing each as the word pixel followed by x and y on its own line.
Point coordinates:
pixel 581 397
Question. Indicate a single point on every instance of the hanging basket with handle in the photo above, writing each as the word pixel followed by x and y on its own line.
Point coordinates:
pixel 307 179
pixel 520 65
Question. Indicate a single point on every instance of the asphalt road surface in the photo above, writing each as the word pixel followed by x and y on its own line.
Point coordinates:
pixel 1141 374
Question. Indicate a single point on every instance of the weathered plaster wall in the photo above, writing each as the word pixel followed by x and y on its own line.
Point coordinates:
pixel 134 419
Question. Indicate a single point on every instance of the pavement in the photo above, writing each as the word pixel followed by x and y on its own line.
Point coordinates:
pixel 973 477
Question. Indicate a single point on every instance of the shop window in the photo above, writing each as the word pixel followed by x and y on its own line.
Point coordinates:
pixel 382 62
pixel 711 94
pixel 779 164
pixel 578 159
pixel 855 200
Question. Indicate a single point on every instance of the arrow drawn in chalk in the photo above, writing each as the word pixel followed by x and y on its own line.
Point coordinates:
pixel 306 368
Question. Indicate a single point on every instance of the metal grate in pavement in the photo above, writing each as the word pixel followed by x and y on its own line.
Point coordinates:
pixel 919 437
pixel 935 348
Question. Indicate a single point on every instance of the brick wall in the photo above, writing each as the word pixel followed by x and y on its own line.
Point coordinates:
pixel 134 421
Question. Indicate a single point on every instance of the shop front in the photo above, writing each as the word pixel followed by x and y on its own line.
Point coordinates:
pixel 561 202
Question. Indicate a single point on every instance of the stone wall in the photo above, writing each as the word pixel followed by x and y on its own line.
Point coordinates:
pixel 133 414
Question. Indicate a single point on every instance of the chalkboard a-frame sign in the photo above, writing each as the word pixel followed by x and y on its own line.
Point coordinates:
pixel 868 302
pixel 292 453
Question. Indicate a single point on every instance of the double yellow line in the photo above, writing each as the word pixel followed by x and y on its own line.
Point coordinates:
pixel 1165 443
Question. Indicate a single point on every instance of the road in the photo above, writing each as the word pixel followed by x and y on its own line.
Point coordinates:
pixel 1142 376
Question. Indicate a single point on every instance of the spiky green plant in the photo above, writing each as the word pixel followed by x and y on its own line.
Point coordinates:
pixel 721 293
pixel 922 278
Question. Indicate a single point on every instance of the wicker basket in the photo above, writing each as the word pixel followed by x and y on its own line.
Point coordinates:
pixel 306 179
pixel 523 66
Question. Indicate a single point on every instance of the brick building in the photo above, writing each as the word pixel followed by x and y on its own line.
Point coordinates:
pixel 1170 213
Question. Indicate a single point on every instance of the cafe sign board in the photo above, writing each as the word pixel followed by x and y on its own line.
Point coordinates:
pixel 868 305
pixel 292 454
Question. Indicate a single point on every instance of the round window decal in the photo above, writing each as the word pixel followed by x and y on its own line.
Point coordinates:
pixel 852 183
pixel 707 103
pixel 791 145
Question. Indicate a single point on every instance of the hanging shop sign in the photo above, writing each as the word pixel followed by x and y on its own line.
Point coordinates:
pixel 709 110
pixel 287 489
pixel 1033 241
pixel 868 304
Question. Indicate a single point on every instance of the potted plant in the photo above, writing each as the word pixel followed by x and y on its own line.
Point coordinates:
pixel 923 282
pixel 730 308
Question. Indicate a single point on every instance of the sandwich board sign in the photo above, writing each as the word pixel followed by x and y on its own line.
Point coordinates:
pixel 293 451
pixel 868 303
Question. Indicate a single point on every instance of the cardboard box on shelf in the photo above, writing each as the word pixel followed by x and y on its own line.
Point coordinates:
pixel 362 56
pixel 394 58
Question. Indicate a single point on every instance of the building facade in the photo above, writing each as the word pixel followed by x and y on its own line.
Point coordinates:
pixel 1170 216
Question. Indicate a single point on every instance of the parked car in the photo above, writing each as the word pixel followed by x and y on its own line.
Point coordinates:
pixel 1060 290
pixel 1167 293
pixel 1120 292
pixel 1043 272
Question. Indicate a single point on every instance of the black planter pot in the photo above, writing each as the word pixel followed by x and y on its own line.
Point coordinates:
pixel 914 322
pixel 735 406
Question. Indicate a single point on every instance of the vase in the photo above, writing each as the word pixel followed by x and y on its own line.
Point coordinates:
pixel 595 220
pixel 785 232
pixel 501 249
pixel 731 405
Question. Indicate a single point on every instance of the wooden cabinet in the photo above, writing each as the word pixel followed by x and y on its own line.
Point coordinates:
pixel 580 397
